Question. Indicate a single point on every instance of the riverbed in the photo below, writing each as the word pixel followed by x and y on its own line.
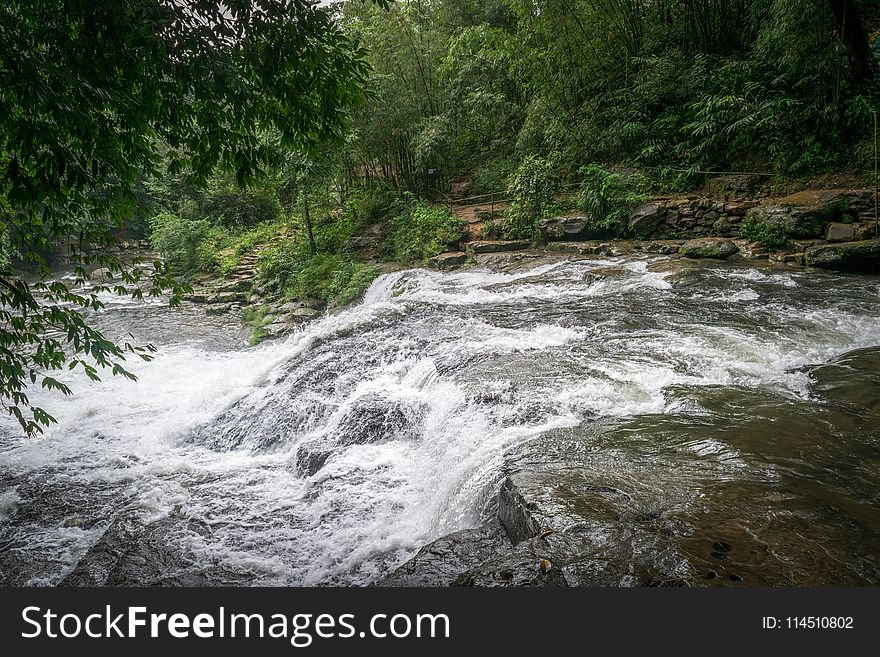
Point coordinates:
pixel 735 407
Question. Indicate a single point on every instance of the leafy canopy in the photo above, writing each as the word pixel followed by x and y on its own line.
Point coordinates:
pixel 94 95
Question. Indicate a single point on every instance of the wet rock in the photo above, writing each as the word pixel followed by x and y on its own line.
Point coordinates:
pixel 448 260
pixel 311 457
pixel 515 513
pixel 498 246
pixel 794 220
pixel 224 297
pixel 524 565
pixel 102 275
pixel 723 227
pixel 862 257
pixel 289 307
pixel 304 313
pixel 370 420
pixel 645 221
pixel 708 247
pixel 569 228
pixel 602 273
pixel 787 258
pixel 443 562
pixel 375 418
pixel 838 232
pixel 131 553
pixel 512 261
pixel 663 247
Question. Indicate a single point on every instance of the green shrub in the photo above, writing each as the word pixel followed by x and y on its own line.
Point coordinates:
pixel 771 236
pixel 609 198
pixel 369 204
pixel 199 246
pixel 421 230
pixel 532 189
pixel 491 177
pixel 181 242
pixel 257 318
pixel 291 271
pixel 241 208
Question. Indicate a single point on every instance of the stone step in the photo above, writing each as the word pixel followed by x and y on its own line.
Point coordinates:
pixel 498 246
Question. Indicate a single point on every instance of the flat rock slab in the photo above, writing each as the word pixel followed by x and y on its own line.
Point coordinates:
pixel 448 260
pixel 861 257
pixel 498 246
pixel 709 247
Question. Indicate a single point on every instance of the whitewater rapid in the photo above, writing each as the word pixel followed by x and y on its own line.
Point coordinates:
pixel 330 457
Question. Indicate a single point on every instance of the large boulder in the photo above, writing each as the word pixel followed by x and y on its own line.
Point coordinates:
pixel 102 275
pixel 863 256
pixel 646 219
pixel 708 247
pixel 839 232
pixel 449 260
pixel 566 227
pixel 795 221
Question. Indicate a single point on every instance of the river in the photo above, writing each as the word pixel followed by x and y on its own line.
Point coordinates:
pixel 740 403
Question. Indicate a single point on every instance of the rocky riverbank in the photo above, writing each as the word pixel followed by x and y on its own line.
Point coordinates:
pixel 831 229
pixel 575 510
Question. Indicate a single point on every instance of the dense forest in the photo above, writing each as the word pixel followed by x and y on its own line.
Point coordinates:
pixel 215 128
pixel 545 103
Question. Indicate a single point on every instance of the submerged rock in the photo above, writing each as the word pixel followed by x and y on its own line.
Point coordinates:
pixel 132 553
pixel 709 247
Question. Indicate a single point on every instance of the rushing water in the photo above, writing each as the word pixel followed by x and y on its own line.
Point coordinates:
pixel 332 456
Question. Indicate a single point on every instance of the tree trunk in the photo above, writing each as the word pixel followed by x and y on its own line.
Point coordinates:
pixel 313 249
pixel 849 22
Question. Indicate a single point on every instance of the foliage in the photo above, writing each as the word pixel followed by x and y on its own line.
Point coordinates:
pixel 291 271
pixel 257 318
pixel 234 207
pixel 532 189
pixel 770 236
pixel 778 86
pixel 181 242
pixel 370 204
pixel 490 176
pixel 198 246
pixel 421 230
pixel 97 94
pixel 608 197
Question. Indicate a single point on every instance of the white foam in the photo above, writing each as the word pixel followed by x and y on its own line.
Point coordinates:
pixel 477 362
